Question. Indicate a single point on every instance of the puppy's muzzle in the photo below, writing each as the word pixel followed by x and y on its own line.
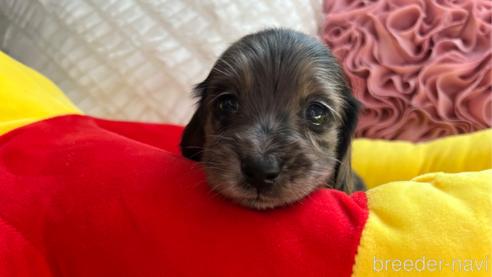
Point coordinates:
pixel 260 172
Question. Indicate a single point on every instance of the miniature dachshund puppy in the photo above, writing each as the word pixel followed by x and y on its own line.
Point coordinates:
pixel 274 121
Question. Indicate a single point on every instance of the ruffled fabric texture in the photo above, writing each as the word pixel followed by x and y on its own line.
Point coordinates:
pixel 422 68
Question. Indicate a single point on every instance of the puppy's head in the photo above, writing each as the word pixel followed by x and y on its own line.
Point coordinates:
pixel 274 122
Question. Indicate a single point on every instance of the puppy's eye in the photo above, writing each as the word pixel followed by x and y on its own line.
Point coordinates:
pixel 228 104
pixel 316 114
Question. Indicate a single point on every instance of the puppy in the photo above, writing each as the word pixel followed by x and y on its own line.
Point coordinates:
pixel 274 121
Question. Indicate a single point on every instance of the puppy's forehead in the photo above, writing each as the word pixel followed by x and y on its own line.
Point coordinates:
pixel 278 69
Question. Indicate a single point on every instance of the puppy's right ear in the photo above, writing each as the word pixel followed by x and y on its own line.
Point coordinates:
pixel 193 138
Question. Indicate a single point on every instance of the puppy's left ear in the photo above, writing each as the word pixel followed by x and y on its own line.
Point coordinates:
pixel 193 137
pixel 344 179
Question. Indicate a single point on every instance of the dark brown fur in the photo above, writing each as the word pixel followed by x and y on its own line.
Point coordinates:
pixel 274 75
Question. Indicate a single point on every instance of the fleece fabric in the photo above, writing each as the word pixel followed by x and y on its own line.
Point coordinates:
pixel 439 224
pixel 379 162
pixel 83 200
pixel 27 96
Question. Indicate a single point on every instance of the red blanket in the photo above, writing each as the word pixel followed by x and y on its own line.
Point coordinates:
pixel 81 196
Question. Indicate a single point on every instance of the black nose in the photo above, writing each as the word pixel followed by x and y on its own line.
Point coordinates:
pixel 260 172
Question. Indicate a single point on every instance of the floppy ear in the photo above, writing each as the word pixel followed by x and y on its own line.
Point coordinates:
pixel 193 138
pixel 344 177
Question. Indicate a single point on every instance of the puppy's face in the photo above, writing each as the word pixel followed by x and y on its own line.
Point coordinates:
pixel 274 121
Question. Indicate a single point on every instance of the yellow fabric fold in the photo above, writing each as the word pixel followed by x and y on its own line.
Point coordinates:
pixel 379 162
pixel 26 96
pixel 438 223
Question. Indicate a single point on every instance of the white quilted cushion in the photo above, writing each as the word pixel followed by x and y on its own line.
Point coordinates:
pixel 137 59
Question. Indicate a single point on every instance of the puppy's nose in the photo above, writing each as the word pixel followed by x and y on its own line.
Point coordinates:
pixel 260 172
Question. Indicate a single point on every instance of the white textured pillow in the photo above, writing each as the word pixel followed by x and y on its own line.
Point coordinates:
pixel 137 59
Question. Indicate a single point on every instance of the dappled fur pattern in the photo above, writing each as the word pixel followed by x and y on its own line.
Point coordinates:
pixel 274 75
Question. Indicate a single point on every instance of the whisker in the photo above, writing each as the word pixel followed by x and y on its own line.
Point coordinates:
pixel 221 137
pixel 338 161
pixel 215 68
pixel 230 66
pixel 332 110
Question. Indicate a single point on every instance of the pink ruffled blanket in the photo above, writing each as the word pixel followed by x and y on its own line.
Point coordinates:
pixel 422 68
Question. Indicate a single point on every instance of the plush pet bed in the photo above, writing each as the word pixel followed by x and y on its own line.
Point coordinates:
pixel 81 196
